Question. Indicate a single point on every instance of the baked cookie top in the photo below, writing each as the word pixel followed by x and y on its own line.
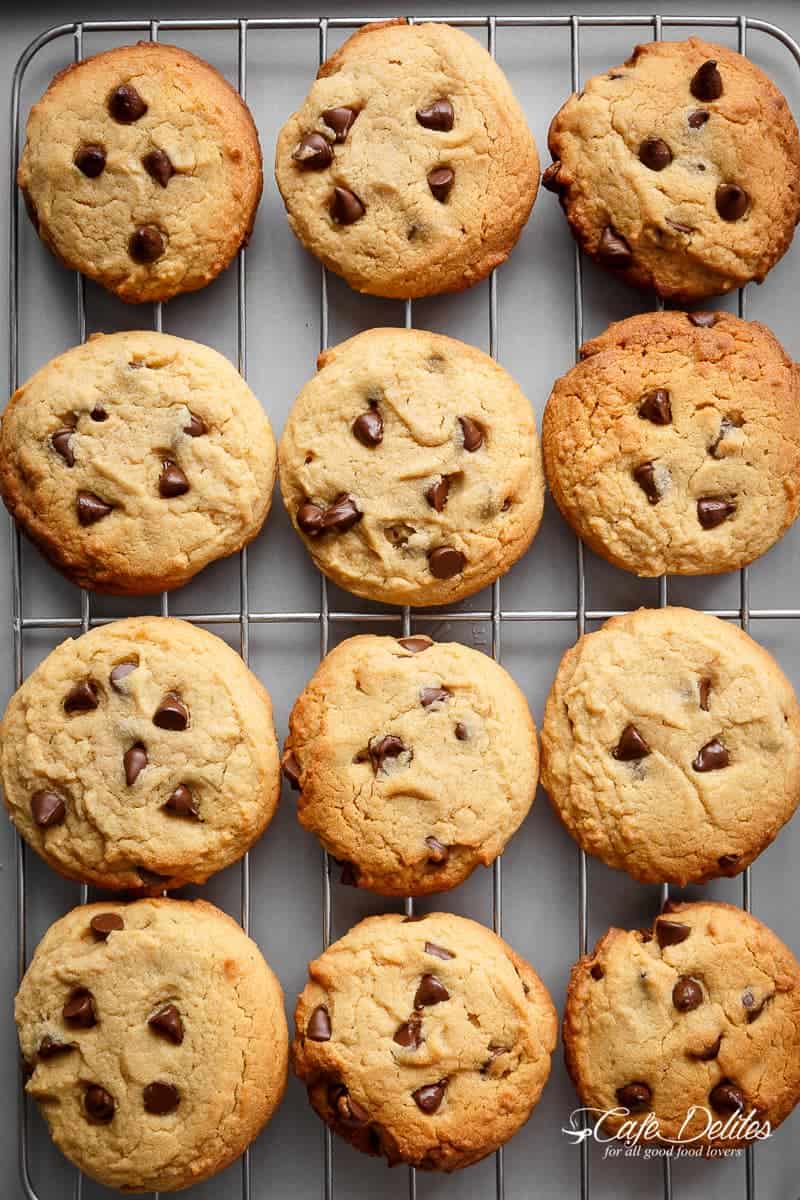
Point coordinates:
pixel 671 746
pixel 136 459
pixel 674 445
pixel 703 1010
pixel 409 169
pixel 415 760
pixel 156 1038
pixel 427 1040
pixel 142 169
pixel 680 170
pixel 141 755
pixel 410 465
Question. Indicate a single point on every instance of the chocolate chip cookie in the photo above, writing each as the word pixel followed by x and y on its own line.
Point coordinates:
pixel 156 1039
pixel 693 1022
pixel 409 169
pixel 142 170
pixel 671 746
pixel 415 761
pixel 674 445
pixel 141 755
pixel 136 459
pixel 411 468
pixel 425 1039
pixel 679 170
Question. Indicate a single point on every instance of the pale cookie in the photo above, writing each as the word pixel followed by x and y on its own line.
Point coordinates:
pixel 671 746
pixel 135 460
pixel 141 755
pixel 693 1028
pixel 142 170
pixel 156 1038
pixel 679 170
pixel 416 761
pixel 409 169
pixel 411 467
pixel 424 1039
pixel 674 446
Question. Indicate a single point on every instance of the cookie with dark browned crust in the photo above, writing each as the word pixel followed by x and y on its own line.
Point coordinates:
pixel 679 170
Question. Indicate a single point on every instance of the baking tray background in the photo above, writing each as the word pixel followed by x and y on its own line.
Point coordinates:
pixel 535 341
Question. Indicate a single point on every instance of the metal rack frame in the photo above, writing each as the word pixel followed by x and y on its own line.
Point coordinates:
pixel 324 617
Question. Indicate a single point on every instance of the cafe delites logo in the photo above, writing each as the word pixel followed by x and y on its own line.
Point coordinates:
pixel 625 1136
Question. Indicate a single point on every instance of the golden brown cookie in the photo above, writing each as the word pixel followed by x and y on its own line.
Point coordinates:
pixel 409 169
pixel 426 1040
pixel 679 170
pixel 156 1039
pixel 142 170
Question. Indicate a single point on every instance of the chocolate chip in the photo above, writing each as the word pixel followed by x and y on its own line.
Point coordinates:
pixel 711 757
pixel 60 441
pixel 313 152
pixel 345 1107
pixel 385 748
pixel 345 207
pixel 309 518
pixel 98 1103
pixel 461 731
pixel 172 481
pixel 349 875
pixel 655 154
pixel 409 1034
pixel 705 690
pixel 597 971
pixel 712 512
pixel 158 166
pixel 79 1009
pixel 151 878
pixel 196 426
pixel 439 853
pixel 703 320
pixel 655 406
pixel 678 227
pixel 698 118
pixel 126 105
pixel 728 861
pixel 50 1048
pixel 98 413
pixel 613 250
pixel 291 769
pixel 48 808
pixel 473 434
pixel 436 494
pixel 340 120
pixel 671 933
pixel 430 991
pixel 342 515
pixel 636 1097
pixel 90 508
pixel 687 994
pixel 119 672
pixel 645 476
pixel 433 695
pixel 440 181
pixel 134 761
pixel 732 201
pixel 631 745
pixel 416 643
pixel 91 159
pixel 706 82
pixel 430 1096
pixel 161 1098
pixel 82 698
pixel 319 1025
pixel 550 177
pixel 726 1098
pixel 171 713
pixel 368 428
pixel 146 244
pixel 105 923
pixel 182 802
pixel 437 951
pixel 710 1052
pixel 167 1021
pixel 438 116
pixel 445 562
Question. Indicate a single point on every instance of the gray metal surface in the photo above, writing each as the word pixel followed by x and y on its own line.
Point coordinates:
pixel 273 608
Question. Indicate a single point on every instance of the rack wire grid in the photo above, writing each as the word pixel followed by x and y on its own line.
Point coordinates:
pixel 324 617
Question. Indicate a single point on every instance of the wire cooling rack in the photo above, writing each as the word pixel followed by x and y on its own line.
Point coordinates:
pixel 324 617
